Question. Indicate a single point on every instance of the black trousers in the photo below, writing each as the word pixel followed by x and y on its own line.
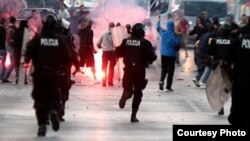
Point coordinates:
pixel 240 112
pixel 167 67
pixel 46 95
pixel 134 82
pixel 108 61
pixel 65 85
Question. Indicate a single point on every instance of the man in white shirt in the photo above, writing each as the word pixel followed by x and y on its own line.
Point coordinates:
pixel 106 43
pixel 63 12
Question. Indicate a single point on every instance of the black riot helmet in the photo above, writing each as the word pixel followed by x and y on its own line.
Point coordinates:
pixel 138 30
pixel 50 21
pixel 225 30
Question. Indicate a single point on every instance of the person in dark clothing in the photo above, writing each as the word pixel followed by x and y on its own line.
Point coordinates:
pixel 65 79
pixel 207 21
pixel 10 32
pixel 137 52
pixel 49 54
pixel 199 29
pixel 240 112
pixel 74 22
pixel 87 50
pixel 128 28
pixel 204 61
pixel 221 48
pixel 216 25
pixel 18 40
pixel 235 29
pixel 118 24
pixel 2 47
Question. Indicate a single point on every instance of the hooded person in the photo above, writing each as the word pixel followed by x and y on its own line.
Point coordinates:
pixel 170 44
pixel 137 53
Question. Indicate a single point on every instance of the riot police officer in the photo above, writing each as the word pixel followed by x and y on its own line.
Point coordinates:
pixel 137 53
pixel 221 48
pixel 49 53
pixel 240 112
pixel 65 79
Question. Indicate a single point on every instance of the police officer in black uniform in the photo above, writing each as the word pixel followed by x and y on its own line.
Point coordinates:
pixel 137 53
pixel 240 111
pixel 65 79
pixel 221 48
pixel 49 53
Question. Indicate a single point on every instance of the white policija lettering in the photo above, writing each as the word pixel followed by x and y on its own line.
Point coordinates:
pixel 133 43
pixel 49 42
pixel 245 44
pixel 223 42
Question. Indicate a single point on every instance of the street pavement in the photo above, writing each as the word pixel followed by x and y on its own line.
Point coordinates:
pixel 93 114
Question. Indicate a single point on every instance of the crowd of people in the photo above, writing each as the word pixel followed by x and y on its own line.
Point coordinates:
pixel 58 42
pixel 224 46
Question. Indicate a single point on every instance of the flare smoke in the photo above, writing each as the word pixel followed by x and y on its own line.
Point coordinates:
pixel 11 7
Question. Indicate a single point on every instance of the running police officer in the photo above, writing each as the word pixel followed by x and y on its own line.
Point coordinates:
pixel 240 112
pixel 137 53
pixel 48 52
pixel 221 49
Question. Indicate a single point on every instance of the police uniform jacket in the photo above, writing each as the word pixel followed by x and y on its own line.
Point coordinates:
pixel 136 51
pixel 241 57
pixel 48 51
pixel 222 48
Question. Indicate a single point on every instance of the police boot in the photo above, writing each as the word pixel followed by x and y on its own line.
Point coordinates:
pixel 145 84
pixel 221 112
pixel 54 120
pixel 41 130
pixel 125 96
pixel 62 112
pixel 133 115
pixel 62 119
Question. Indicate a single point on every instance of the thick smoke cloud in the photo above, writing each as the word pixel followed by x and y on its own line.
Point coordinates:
pixel 122 11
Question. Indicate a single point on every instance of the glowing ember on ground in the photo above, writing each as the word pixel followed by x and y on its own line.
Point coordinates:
pixel 7 61
pixel 98 65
